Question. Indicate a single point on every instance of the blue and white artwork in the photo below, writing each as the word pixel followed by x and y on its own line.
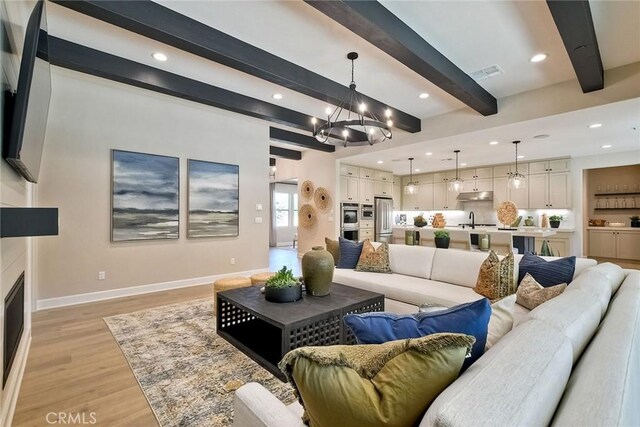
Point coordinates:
pixel 145 196
pixel 213 199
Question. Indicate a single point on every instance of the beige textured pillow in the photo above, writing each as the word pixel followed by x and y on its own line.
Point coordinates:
pixel 374 260
pixel 531 294
pixel 501 320
pixel 495 279
pixel 333 247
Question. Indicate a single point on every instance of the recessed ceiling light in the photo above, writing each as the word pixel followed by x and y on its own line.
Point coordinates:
pixel 159 56
pixel 463 164
pixel 595 125
pixel 277 96
pixel 428 154
pixel 417 170
pixel 521 156
pixel 607 146
pixel 380 162
pixel 538 57
pixel 423 95
pixel 541 136
pixel 494 143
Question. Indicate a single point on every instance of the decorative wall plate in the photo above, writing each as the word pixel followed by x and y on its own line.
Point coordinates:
pixel 307 189
pixel 307 216
pixel 322 199
pixel 507 212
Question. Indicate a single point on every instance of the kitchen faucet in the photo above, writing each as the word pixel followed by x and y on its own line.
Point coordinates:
pixel 472 217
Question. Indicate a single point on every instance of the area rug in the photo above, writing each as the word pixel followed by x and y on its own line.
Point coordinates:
pixel 187 372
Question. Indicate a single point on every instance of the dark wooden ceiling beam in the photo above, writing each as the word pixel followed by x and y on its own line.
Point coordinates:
pixel 575 25
pixel 294 138
pixel 90 61
pixel 285 153
pixel 159 23
pixel 376 24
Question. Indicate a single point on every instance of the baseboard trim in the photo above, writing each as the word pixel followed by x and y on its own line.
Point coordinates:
pixel 47 303
pixel 12 388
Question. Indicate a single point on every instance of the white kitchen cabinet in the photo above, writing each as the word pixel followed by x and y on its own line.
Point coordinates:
pixel 442 177
pixel 620 244
pixel 366 173
pixel 539 191
pixel 484 173
pixel 348 170
pixel 505 170
pixel 452 199
pixel 383 176
pixel 365 190
pixel 550 190
pixel 383 188
pixel 559 165
pixel 366 233
pixel 560 244
pixel 349 187
pixel 440 191
pixel 468 174
pixel 502 192
pixel 473 174
pixel 397 193
pixel 425 196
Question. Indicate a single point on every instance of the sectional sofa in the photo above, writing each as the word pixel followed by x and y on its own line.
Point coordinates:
pixel 571 361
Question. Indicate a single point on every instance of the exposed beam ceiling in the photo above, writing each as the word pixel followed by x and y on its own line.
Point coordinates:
pixel 285 153
pixel 159 23
pixel 575 25
pixel 376 24
pixel 86 60
pixel 294 138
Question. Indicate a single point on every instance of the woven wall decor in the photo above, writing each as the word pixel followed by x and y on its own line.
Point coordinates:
pixel 307 216
pixel 322 199
pixel 507 212
pixel 307 189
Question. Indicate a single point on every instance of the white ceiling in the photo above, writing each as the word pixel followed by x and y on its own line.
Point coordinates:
pixel 473 34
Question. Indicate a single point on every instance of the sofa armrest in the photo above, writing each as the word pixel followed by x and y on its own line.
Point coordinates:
pixel 255 406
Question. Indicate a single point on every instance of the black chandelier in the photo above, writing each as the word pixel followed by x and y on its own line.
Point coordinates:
pixel 352 128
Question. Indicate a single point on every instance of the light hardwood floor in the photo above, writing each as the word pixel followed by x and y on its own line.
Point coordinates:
pixel 75 365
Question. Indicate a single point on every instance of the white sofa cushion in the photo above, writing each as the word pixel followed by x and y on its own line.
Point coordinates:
pixel 411 260
pixel 604 388
pixel 576 314
pixel 407 289
pixel 594 282
pixel 517 382
pixel 457 266
pixel 615 274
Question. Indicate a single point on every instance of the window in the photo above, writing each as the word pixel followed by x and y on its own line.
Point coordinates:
pixel 286 209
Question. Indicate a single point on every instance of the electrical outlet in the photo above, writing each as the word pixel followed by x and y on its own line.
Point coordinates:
pixel 259 207
pixel 258 220
pixel 232 261
pixel 102 275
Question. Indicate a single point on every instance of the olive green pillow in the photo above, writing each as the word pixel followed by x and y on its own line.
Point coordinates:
pixel 374 260
pixel 390 384
pixel 333 247
pixel 495 279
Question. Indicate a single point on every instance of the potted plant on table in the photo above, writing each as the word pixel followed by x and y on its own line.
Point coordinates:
pixel 283 287
pixel 554 221
pixel 442 239
pixel 635 221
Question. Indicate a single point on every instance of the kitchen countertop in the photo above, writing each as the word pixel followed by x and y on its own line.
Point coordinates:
pixel 615 228
pixel 520 232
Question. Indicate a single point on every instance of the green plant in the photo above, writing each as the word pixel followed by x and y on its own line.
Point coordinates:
pixel 555 218
pixel 282 279
pixel 441 233
pixel 634 218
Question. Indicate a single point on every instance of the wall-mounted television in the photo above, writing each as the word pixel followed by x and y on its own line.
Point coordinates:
pixel 28 107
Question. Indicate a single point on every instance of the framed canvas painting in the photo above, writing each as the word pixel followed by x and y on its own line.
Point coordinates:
pixel 213 199
pixel 145 200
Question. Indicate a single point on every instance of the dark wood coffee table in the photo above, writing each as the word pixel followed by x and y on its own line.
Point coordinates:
pixel 265 331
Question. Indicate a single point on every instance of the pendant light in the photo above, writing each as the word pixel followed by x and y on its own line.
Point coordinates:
pixel 516 179
pixel 411 188
pixel 456 184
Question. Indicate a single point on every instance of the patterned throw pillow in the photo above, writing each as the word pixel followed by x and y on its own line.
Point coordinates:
pixel 374 260
pixel 349 253
pixel 531 294
pixel 547 273
pixel 373 385
pixel 495 279
pixel 333 247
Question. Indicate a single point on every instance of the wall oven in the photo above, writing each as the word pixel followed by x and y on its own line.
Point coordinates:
pixel 350 216
pixel 350 234
pixel 366 212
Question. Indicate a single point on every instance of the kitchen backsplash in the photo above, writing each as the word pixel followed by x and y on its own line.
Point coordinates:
pixel 486 214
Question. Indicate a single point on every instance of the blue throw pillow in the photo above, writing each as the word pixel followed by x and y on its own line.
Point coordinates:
pixel 471 318
pixel 547 273
pixel 349 253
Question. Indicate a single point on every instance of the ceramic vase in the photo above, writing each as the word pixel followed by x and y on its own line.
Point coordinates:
pixel 317 271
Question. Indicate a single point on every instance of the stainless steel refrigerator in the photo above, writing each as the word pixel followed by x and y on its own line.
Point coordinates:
pixel 383 220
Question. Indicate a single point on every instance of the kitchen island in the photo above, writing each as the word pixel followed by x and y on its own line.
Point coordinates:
pixel 523 238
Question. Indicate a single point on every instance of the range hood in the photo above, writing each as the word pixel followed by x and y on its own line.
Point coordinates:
pixel 474 196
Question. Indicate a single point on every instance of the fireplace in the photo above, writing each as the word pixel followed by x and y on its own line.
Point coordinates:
pixel 13 324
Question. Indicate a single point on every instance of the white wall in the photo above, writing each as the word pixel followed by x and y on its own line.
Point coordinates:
pixel 88 118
